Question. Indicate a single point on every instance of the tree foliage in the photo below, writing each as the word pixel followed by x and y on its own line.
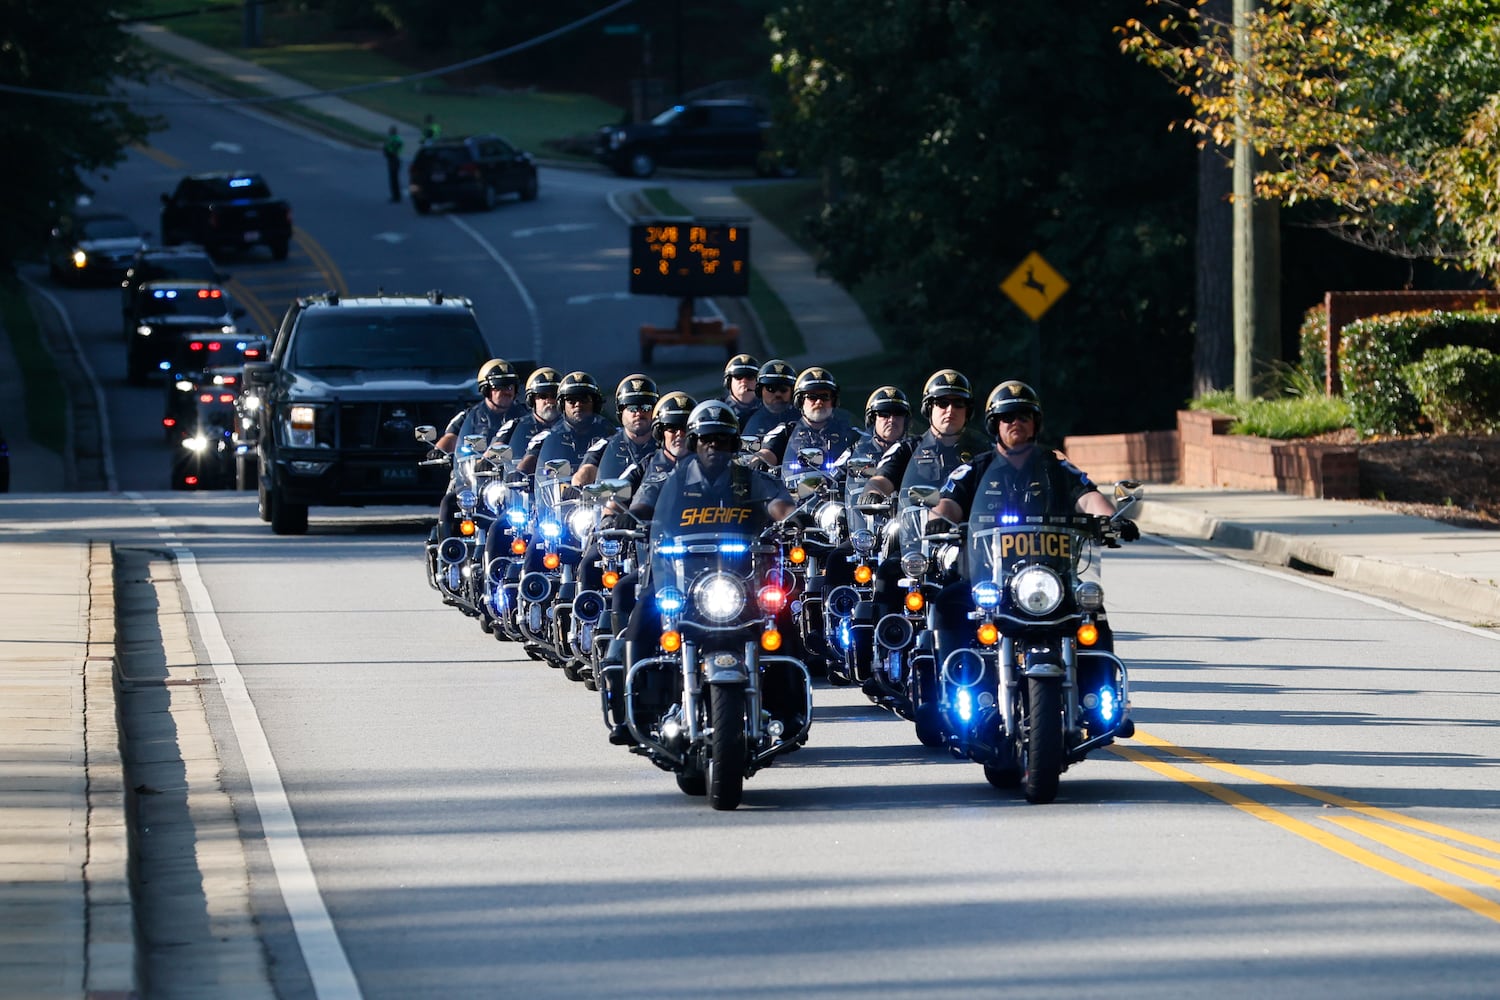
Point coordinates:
pixel 958 137
pixel 1386 113
pixel 76 48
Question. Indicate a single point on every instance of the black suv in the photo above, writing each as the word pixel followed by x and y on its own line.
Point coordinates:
pixel 331 416
pixel 721 133
pixel 92 245
pixel 159 264
pixel 472 171
pixel 181 325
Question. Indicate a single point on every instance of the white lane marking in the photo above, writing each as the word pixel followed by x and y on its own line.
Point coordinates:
pixel 327 964
pixel 580 300
pixel 561 227
pixel 1302 581
pixel 515 279
pixel 227 147
pixel 389 237
pixel 106 435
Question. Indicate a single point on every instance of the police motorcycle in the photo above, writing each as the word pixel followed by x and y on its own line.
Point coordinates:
pixel 548 584
pixel 454 561
pixel 904 677
pixel 718 700
pixel 508 497
pixel 856 528
pixel 589 624
pixel 1035 693
pixel 808 551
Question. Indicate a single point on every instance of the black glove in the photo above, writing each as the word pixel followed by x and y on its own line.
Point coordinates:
pixel 433 454
pixel 1129 530
pixel 758 463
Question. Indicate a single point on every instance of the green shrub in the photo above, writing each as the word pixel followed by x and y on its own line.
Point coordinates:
pixel 1458 387
pixel 1303 414
pixel 1373 351
pixel 1313 351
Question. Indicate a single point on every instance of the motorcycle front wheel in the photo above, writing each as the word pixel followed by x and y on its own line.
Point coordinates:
pixel 1042 729
pixel 727 746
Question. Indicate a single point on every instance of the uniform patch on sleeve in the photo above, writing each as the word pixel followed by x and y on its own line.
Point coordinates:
pixel 536 442
pixel 959 473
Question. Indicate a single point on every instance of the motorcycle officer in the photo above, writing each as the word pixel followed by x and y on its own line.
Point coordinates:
pixel 818 425
pixel 542 410
pixel 773 384
pixel 947 406
pixel 580 427
pixel 1015 477
pixel 887 419
pixel 635 400
pixel 739 386
pixel 497 389
pixel 707 477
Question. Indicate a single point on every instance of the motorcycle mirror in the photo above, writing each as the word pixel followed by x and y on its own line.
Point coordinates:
pixel 498 454
pixel 859 466
pixel 620 489
pixel 424 432
pixel 810 483
pixel 1127 488
pixel 923 496
pixel 559 467
pixel 811 458
pixel 750 444
pixel 475 442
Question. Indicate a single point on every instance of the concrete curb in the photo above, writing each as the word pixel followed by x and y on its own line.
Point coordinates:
pixel 112 953
pixel 1288 550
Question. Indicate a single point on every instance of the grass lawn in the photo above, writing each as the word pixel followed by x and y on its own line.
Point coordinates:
pixel 46 399
pixel 297 46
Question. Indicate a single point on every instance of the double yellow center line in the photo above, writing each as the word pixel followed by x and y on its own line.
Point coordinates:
pixel 1462 856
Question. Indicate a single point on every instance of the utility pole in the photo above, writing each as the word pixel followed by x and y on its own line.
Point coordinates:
pixel 250 25
pixel 677 56
pixel 1257 242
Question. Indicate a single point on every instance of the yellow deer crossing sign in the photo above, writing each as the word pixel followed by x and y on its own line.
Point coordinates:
pixel 1034 286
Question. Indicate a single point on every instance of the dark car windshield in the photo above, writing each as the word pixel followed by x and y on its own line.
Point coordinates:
pixel 668 116
pixel 443 157
pixel 387 340
pixel 158 301
pixel 199 268
pixel 233 188
pixel 108 228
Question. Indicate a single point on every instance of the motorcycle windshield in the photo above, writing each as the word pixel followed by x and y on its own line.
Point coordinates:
pixel 1066 548
pixel 550 524
pixel 856 485
pixel 710 579
pixel 908 527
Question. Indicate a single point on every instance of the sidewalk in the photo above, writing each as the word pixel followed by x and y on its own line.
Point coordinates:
pixel 66 925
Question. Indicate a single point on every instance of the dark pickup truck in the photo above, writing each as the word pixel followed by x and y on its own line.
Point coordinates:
pixel 330 420
pixel 226 211
pixel 720 133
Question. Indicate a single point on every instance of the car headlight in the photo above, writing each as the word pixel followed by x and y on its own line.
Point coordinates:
pixel 1037 590
pixel 144 330
pixel 196 443
pixel 80 259
pixel 719 597
pixel 1090 596
pixel 616 139
pixel 302 426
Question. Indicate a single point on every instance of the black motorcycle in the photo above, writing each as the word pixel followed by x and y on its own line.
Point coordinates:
pixel 717 701
pixel 1036 690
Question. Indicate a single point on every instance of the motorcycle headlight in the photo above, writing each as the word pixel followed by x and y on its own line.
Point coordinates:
pixel 1090 596
pixel 914 564
pixel 609 547
pixel 831 518
pixel 581 521
pixel 986 595
pixel 494 495
pixel 1037 590
pixel 863 540
pixel 551 530
pixel 719 597
pixel 467 499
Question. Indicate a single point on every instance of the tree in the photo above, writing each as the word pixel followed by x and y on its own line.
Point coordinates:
pixel 959 137
pixel 77 48
pixel 1383 113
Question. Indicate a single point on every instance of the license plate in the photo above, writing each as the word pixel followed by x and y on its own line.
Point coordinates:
pixel 397 474
pixel 438 177
pixel 251 235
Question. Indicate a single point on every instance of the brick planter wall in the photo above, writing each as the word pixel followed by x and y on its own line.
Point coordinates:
pixel 1202 452
pixel 1211 456
pixel 1145 456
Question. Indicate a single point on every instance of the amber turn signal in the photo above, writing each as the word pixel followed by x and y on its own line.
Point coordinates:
pixel 671 641
pixel 988 634
pixel 518 547
pixel 610 579
pixel 466 528
pixel 914 601
pixel 770 640
pixel 551 561
pixel 862 574
pixel 1088 634
pixel 798 555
